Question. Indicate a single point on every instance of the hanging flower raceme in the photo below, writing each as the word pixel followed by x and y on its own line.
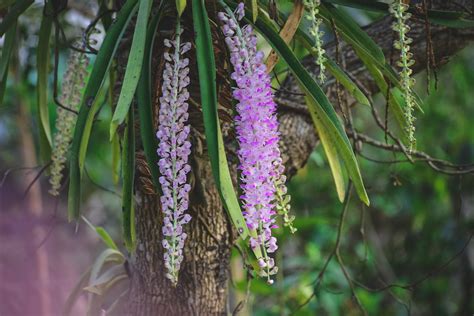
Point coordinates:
pixel 262 179
pixel 315 29
pixel 73 82
pixel 174 149
pixel 399 11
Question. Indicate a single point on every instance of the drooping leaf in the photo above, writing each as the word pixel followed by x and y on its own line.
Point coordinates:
pixel 96 105
pixel 128 171
pixel 347 82
pixel 102 63
pixel 134 67
pixel 320 105
pixel 115 144
pixel 42 64
pixel 334 159
pixel 144 102
pixel 215 144
pixel 253 7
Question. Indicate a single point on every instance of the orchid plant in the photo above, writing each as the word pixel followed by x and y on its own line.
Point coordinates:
pixel 254 194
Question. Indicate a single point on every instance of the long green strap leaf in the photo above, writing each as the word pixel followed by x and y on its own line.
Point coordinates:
pixel 346 82
pixel 86 134
pixel 320 105
pixel 215 144
pixel 128 171
pixel 134 66
pixel 102 63
pixel 42 62
pixel 335 163
pixel 253 8
pixel 144 101
pixel 8 44
pixel 15 11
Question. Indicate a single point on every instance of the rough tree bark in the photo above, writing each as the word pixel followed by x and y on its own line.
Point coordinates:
pixel 202 287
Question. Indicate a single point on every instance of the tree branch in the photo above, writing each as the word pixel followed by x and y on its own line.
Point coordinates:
pixel 298 137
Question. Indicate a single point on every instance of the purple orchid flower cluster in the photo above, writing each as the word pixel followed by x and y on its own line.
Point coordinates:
pixel 257 134
pixel 174 149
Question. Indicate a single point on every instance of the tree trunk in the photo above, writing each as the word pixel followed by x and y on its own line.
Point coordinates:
pixel 202 286
pixel 203 278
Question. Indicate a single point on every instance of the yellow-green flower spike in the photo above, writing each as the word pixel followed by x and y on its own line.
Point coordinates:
pixel 399 10
pixel 72 86
pixel 313 9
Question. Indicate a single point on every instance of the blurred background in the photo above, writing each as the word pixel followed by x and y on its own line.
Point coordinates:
pixel 408 253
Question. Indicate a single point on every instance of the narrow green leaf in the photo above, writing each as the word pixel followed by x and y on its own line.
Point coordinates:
pixel 115 159
pixel 96 105
pixel 42 62
pixel 144 101
pixel 320 105
pixel 335 163
pixel 215 144
pixel 102 63
pixel 128 171
pixel 253 8
pixel 344 79
pixel 134 67
pixel 103 234
pixel 14 12
pixel 8 44
pixel 115 144
pixel 180 6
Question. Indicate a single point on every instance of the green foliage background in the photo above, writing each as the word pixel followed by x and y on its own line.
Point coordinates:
pixel 419 219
